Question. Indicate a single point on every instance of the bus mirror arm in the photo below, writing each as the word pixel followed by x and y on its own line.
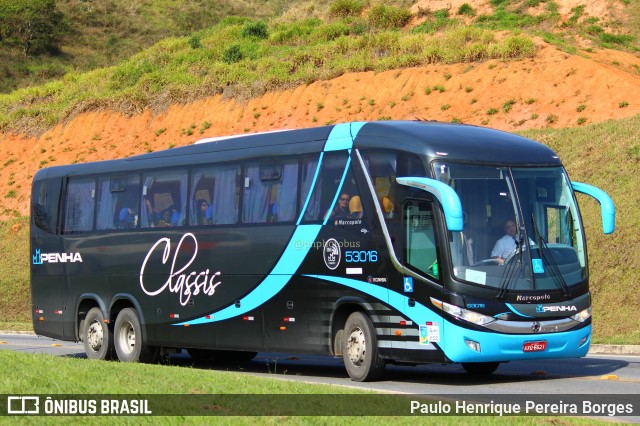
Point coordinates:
pixel 607 208
pixel 447 197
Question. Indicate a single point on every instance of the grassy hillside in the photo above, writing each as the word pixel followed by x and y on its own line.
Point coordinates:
pixel 97 34
pixel 243 58
pixel 607 155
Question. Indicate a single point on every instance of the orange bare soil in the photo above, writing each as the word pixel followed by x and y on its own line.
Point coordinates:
pixel 553 89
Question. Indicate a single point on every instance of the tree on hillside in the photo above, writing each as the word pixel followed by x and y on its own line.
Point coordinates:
pixel 32 25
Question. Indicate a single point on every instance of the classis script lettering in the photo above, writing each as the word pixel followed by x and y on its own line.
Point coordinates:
pixel 180 280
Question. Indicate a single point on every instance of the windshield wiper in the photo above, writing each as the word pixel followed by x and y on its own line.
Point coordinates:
pixel 510 270
pixel 548 259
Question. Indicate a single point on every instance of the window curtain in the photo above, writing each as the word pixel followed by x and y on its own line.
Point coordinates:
pixel 107 206
pixel 80 206
pixel 225 204
pixel 256 197
pixel 184 178
pixel 287 192
pixel 193 213
pixel 144 220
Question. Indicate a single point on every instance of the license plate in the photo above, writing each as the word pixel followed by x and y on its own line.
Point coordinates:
pixel 535 346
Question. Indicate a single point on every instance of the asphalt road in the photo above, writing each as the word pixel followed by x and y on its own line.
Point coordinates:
pixel 616 375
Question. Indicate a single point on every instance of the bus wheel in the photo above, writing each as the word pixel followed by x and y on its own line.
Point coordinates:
pixel 96 337
pixel 127 337
pixel 480 368
pixel 360 349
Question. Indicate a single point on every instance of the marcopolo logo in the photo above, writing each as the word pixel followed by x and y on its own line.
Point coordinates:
pixel 39 258
pixel 332 253
pixel 543 309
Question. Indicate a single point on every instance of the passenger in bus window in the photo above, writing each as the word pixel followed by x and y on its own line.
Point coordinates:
pixel 165 218
pixel 127 218
pixel 387 207
pixel 209 215
pixel 152 214
pixel 341 210
pixel 201 211
pixel 355 207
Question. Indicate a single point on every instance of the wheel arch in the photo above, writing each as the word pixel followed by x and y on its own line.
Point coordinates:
pixel 124 300
pixel 86 302
pixel 344 307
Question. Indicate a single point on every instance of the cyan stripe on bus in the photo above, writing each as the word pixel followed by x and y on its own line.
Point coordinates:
pixel 340 138
pixel 494 346
pixel 335 197
pixel 289 262
pixel 515 311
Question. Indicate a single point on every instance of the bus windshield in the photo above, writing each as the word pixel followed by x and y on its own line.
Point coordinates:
pixel 522 230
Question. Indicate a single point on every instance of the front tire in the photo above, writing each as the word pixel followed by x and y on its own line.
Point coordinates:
pixel 360 349
pixel 127 337
pixel 96 336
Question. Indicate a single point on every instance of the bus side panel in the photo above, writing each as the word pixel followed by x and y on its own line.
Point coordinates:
pixel 49 305
pixel 292 320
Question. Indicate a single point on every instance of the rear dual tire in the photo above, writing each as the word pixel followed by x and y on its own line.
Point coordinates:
pixel 97 339
pixel 128 341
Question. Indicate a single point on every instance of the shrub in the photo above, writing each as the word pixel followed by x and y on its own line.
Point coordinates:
pixel 195 41
pixel 233 54
pixel 388 17
pixel 616 39
pixel 466 9
pixel 256 29
pixel 345 8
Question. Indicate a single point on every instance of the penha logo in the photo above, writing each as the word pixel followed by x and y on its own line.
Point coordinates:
pixel 331 253
pixel 39 258
pixel 543 309
pixel 184 283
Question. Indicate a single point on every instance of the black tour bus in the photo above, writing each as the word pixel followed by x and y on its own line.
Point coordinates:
pixel 372 241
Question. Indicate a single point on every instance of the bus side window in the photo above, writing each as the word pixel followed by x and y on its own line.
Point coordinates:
pixel 219 187
pixel 270 192
pixel 164 195
pixel 421 248
pixel 328 180
pixel 115 194
pixel 45 205
pixel 79 205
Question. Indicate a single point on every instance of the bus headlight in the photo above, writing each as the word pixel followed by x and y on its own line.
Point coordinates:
pixel 463 314
pixel 582 316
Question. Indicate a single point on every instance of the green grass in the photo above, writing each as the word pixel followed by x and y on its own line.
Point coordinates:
pixel 28 374
pixel 15 294
pixel 240 66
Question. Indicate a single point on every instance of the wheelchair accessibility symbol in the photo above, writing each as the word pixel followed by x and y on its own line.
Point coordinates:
pixel 408 284
pixel 538 267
